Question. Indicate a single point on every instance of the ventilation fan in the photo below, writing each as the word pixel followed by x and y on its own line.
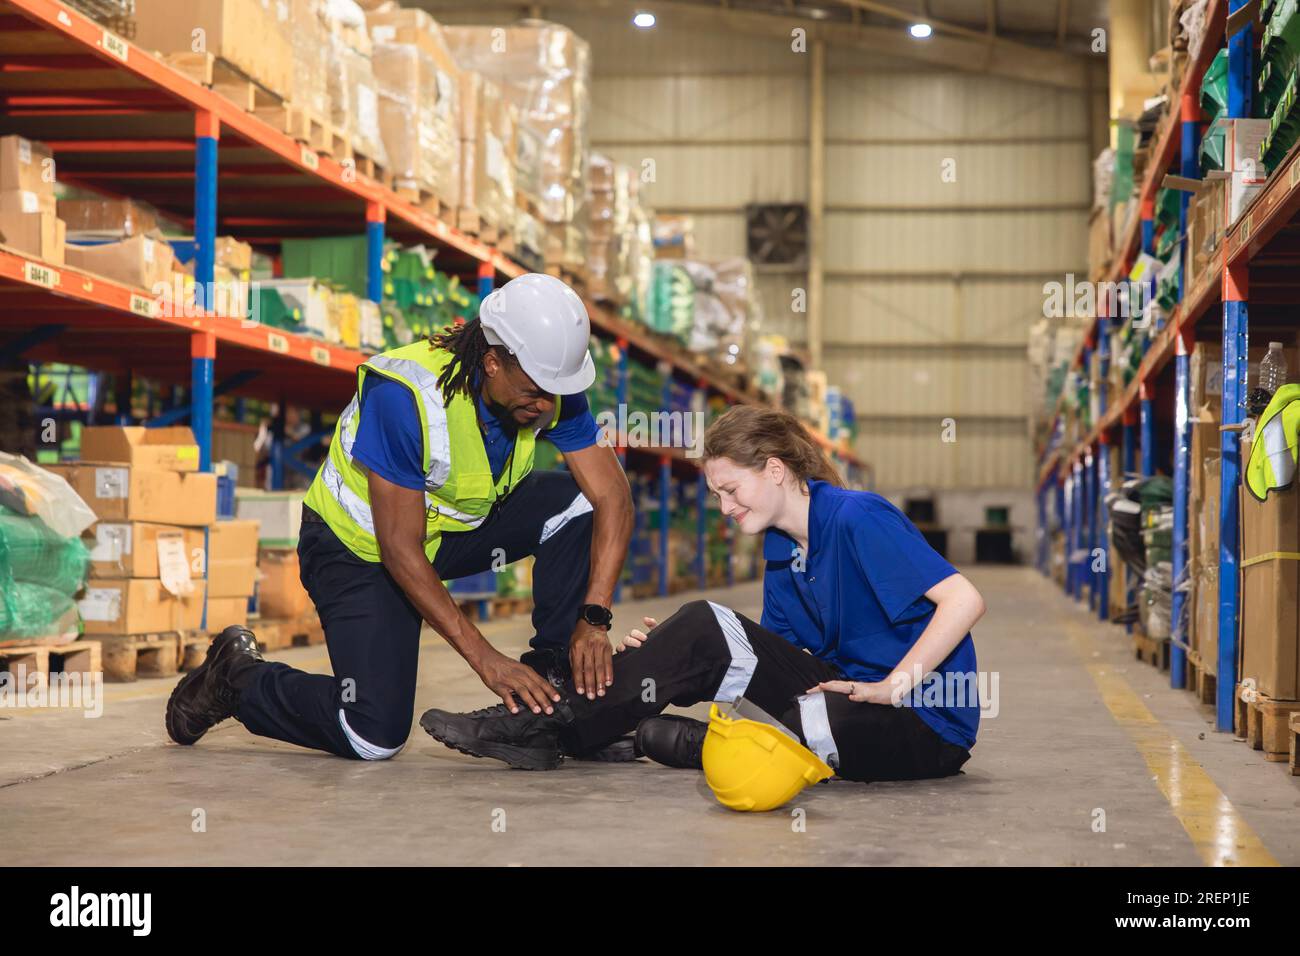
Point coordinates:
pixel 777 234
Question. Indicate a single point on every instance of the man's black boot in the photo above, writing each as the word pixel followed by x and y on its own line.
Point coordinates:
pixel 672 741
pixel 209 694
pixel 524 740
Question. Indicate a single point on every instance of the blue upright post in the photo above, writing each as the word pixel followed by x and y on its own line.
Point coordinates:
pixel 1076 514
pixel 207 131
pixel 1128 464
pixel 277 447
pixel 1087 578
pixel 701 527
pixel 1236 327
pixel 487 275
pixel 374 251
pixel 1190 168
pixel 665 490
pixel 1146 416
pixel 203 354
pixel 1182 464
pixel 620 393
pixel 1103 540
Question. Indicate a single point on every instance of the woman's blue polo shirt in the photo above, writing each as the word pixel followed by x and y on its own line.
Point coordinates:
pixel 857 600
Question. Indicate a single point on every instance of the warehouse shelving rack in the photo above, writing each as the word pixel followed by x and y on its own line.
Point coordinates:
pixel 121 122
pixel 1253 279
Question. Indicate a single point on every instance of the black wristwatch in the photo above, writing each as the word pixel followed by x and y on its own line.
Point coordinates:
pixel 596 615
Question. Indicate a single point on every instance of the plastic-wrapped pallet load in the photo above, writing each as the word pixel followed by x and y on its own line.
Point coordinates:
pixel 350 78
pixel 419 101
pixel 42 560
pixel 487 195
pixel 545 70
pixel 309 80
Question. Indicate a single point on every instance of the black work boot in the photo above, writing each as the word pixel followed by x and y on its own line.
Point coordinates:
pixel 209 694
pixel 673 741
pixel 525 741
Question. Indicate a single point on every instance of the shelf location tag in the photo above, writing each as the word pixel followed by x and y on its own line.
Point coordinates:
pixel 320 355
pixel 277 343
pixel 40 275
pixel 115 45
pixel 142 305
pixel 309 158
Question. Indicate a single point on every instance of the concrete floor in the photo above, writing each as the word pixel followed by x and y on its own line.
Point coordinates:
pixel 1083 730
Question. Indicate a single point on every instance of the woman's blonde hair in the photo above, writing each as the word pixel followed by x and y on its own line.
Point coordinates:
pixel 750 434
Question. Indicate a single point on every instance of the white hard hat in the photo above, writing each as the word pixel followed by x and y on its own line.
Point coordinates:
pixel 546 328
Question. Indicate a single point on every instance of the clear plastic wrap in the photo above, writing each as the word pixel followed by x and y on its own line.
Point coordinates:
pixel 487 130
pixel 309 87
pixel 30 491
pixel 419 119
pixel 545 70
pixel 353 93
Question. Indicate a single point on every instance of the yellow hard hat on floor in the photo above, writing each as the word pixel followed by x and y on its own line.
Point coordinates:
pixel 751 765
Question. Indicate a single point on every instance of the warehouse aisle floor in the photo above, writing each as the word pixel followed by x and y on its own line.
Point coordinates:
pixel 1082 730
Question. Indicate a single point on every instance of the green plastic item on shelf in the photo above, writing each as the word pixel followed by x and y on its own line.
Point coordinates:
pixel 270 309
pixel 1284 127
pixel 1121 188
pixel 339 260
pixel 1214 86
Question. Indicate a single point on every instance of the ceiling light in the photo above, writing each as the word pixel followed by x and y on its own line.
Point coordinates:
pixel 920 31
pixel 644 20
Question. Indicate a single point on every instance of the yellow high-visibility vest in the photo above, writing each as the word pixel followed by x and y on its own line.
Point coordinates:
pixel 458 487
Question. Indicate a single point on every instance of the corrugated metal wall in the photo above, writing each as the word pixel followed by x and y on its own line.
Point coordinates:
pixel 931 286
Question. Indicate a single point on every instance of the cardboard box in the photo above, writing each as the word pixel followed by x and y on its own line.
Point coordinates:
pixel 1205 369
pixel 232 558
pixel 279 512
pixel 140 261
pixel 1203 542
pixel 129 549
pixel 26 165
pixel 250 34
pixel 27 229
pixel 224 612
pixel 280 593
pixel 1099 244
pixel 108 218
pixel 1270 590
pixel 1242 140
pixel 168 449
pixel 139 606
pixel 27 202
pixel 117 492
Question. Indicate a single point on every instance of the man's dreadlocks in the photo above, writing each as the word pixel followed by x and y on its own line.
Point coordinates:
pixel 468 345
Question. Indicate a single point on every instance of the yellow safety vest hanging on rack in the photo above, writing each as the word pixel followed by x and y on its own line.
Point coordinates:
pixel 459 490
pixel 1272 463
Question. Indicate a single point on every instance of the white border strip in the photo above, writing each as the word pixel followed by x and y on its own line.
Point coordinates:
pixel 364 748
pixel 817 728
pixel 743 659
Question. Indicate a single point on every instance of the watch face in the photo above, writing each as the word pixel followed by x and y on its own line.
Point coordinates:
pixel 597 616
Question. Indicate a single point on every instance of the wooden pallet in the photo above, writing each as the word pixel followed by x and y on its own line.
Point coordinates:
pixel 1293 743
pixel 429 202
pixel 1200 681
pixel 1151 651
pixel 191 649
pixel 510 607
pixel 275 634
pixel 70 657
pixel 225 79
pixel 1267 726
pixel 470 222
pixel 128 658
pixel 365 166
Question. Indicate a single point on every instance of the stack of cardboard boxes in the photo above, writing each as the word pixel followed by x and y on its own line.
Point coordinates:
pixel 28 219
pixel 283 607
pixel 148 560
pixel 232 572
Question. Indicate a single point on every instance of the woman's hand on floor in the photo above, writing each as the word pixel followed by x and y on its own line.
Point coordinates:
pixel 863 692
pixel 637 637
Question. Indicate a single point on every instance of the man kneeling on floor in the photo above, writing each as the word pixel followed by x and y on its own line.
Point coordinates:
pixel 858 612
pixel 429 477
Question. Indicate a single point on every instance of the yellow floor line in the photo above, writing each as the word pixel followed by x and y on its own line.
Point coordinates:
pixel 1219 833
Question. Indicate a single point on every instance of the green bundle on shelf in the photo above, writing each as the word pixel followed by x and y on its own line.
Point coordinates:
pixel 670 306
pixel 269 308
pixel 1278 79
pixel 1214 102
pixel 339 260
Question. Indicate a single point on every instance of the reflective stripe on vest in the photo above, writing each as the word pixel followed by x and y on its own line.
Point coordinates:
pixel 459 490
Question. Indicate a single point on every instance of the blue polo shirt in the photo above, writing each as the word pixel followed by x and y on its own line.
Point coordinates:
pixel 389 442
pixel 859 601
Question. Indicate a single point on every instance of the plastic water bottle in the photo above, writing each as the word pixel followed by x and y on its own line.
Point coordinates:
pixel 1272 376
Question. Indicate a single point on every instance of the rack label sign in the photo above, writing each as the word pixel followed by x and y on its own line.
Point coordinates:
pixel 115 45
pixel 310 159
pixel 40 275
pixel 142 305
pixel 320 355
pixel 277 343
pixel 1295 174
pixel 1245 229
